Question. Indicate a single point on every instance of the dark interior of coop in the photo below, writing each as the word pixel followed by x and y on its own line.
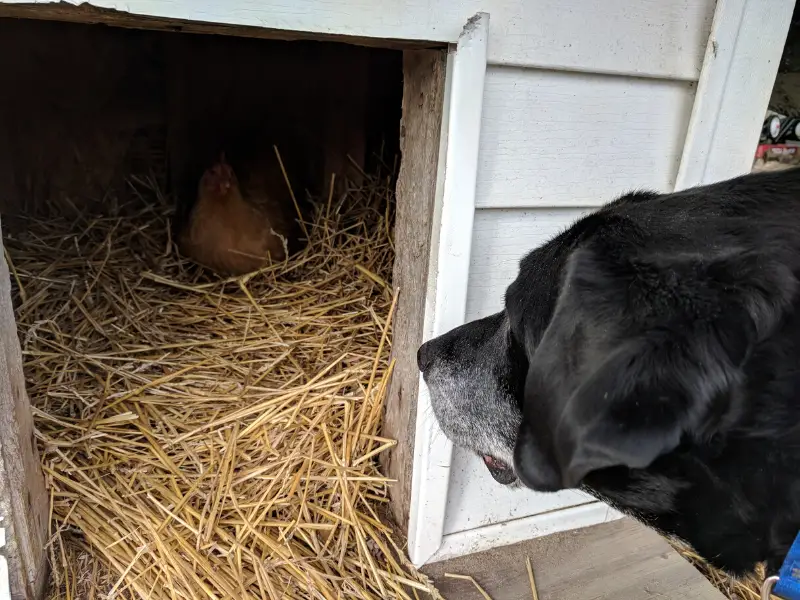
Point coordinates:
pixel 88 112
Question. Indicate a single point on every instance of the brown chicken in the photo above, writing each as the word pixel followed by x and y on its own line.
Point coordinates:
pixel 234 229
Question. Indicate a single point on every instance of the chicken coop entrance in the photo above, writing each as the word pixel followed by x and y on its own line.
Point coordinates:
pixel 204 248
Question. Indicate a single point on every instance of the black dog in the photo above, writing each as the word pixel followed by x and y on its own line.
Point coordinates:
pixel 650 355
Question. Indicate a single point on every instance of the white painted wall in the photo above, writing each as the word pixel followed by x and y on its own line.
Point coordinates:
pixel 742 59
pixel 448 275
pixel 500 237
pixel 553 144
pixel 555 138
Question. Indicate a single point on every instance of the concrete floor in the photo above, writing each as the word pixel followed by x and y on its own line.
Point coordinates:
pixel 616 561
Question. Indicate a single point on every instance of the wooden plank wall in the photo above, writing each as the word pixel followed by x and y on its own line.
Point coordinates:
pixel 72 122
pixel 23 499
pixel 423 97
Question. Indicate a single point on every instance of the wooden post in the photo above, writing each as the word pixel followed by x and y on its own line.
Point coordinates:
pixel 423 101
pixel 23 499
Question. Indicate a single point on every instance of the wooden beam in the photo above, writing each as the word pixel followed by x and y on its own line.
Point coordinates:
pixel 23 499
pixel 93 15
pixel 420 129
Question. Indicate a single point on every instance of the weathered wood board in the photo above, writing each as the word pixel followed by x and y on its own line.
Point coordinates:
pixel 622 560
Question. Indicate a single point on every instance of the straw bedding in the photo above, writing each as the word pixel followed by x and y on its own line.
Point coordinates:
pixel 205 438
pixel 736 589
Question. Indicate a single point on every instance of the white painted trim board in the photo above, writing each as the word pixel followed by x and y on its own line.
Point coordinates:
pixel 742 58
pixel 526 528
pixel 432 450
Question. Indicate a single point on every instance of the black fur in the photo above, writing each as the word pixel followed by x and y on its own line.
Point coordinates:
pixel 650 354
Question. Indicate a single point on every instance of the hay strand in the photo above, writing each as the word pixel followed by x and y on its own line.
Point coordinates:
pixel 529 567
pixel 472 580
pixel 291 191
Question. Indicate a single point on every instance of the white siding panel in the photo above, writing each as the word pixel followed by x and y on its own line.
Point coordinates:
pixel 476 500
pixel 500 238
pixel 431 479
pixel 570 139
pixel 657 38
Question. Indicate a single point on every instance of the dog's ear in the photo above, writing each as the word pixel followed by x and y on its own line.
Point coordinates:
pixel 640 353
pixel 638 404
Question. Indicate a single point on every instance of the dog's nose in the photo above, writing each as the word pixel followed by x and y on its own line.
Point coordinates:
pixel 424 356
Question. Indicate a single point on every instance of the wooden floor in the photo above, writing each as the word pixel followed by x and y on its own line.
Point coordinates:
pixel 616 561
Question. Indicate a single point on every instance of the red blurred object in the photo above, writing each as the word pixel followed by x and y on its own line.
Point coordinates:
pixel 776 151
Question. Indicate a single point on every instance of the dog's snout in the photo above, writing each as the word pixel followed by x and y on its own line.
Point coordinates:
pixel 425 356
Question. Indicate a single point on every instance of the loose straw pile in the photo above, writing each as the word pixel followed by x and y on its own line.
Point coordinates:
pixel 205 438
pixel 748 588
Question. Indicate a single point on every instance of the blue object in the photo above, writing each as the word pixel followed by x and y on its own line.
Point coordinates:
pixel 788 584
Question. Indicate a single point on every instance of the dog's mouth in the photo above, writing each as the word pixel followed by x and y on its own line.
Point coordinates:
pixel 501 471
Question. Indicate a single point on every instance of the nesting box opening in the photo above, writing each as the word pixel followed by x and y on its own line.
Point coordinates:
pixel 204 433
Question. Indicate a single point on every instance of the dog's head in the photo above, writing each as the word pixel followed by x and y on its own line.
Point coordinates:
pixel 617 344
